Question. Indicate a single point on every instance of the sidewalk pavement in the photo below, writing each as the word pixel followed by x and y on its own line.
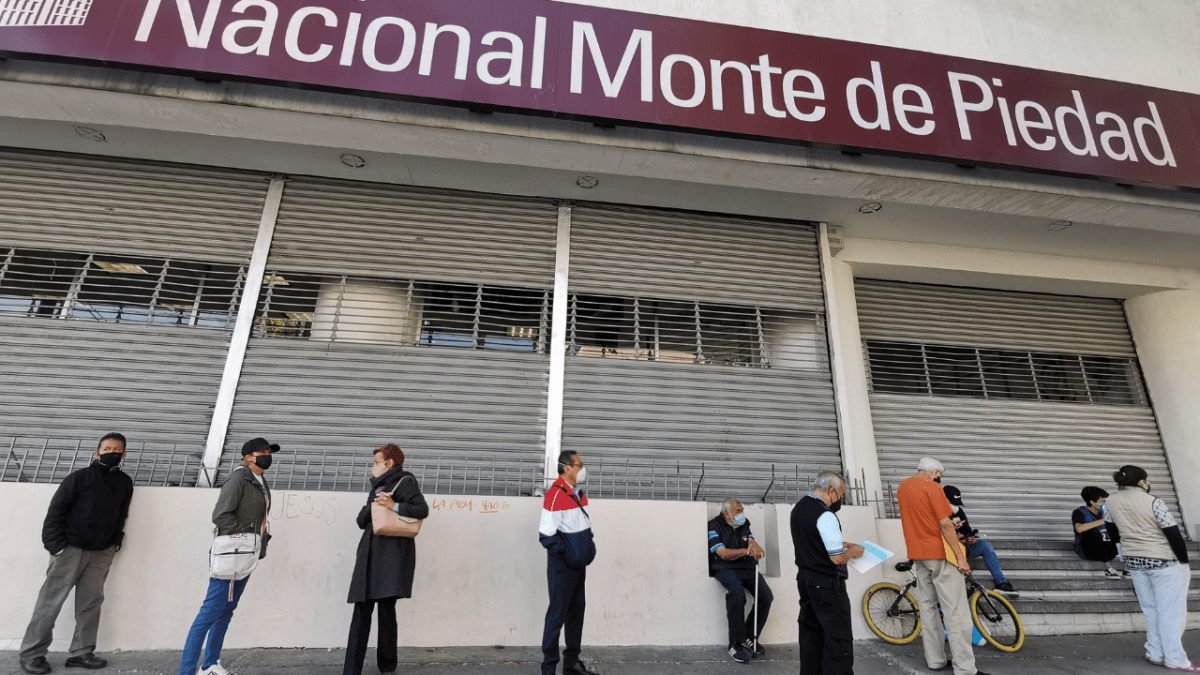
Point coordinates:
pixel 1119 654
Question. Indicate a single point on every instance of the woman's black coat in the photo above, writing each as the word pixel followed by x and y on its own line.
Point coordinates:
pixel 384 565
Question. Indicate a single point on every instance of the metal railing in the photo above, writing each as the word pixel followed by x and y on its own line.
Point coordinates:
pixel 47 460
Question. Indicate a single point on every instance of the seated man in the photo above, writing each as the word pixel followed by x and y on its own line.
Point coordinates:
pixel 733 560
pixel 976 548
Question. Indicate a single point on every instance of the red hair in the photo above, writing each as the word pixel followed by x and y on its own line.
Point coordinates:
pixel 393 452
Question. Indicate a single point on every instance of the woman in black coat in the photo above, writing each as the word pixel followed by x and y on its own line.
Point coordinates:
pixel 383 568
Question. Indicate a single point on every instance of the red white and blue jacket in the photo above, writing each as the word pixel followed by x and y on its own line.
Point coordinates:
pixel 565 530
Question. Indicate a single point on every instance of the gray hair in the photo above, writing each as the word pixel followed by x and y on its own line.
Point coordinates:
pixel 829 480
pixel 728 504
pixel 930 464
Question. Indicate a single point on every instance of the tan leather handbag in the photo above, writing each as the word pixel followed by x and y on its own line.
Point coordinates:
pixel 388 523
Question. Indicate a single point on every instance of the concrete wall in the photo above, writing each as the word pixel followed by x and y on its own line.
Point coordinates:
pixel 1071 36
pixel 1166 330
pixel 480 577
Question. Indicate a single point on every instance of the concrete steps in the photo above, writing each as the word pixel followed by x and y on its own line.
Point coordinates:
pixel 1060 594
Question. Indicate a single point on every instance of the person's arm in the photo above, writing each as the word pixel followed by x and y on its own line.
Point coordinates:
pixel 840 552
pixel 951 537
pixel 550 523
pixel 54 529
pixel 227 502
pixel 411 503
pixel 718 547
pixel 119 537
pixel 1171 530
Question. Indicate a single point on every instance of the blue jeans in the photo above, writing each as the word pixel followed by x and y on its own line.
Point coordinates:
pixel 213 621
pixel 982 549
pixel 1162 594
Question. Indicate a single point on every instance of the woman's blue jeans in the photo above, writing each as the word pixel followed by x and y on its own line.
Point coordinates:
pixel 212 621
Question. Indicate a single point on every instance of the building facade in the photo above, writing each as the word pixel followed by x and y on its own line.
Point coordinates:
pixel 751 248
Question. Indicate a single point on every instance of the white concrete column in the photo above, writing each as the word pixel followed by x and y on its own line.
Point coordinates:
pixel 238 342
pixel 854 407
pixel 1166 330
pixel 558 344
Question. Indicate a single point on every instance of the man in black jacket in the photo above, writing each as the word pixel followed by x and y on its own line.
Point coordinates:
pixel 733 557
pixel 83 531
pixel 826 638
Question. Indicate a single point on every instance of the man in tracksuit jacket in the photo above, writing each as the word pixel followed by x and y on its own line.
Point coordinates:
pixel 83 531
pixel 566 532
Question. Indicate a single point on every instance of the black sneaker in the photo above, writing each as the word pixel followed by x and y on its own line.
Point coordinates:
pixel 738 655
pixel 752 649
pixel 38 665
pixel 88 660
pixel 1006 588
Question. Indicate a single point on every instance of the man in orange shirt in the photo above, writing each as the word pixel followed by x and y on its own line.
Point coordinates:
pixel 925 514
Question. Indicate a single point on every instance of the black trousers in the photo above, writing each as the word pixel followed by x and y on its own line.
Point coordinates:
pixel 360 631
pixel 826 638
pixel 738 584
pixel 1095 548
pixel 567 603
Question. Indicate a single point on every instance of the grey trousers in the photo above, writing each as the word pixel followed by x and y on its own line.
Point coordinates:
pixel 940 582
pixel 85 571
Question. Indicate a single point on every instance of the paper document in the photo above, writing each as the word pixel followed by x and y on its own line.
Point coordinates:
pixel 872 556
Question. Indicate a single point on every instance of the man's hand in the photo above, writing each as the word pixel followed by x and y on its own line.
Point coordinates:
pixel 855 550
pixel 963 566
pixel 755 550
pixel 971 540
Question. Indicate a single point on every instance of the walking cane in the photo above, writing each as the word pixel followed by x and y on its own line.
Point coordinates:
pixel 755 654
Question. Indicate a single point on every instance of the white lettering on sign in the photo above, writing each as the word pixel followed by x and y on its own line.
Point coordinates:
pixel 772 87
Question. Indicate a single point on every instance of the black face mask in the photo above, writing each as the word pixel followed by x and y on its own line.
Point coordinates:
pixel 111 459
pixel 263 462
pixel 938 480
pixel 836 506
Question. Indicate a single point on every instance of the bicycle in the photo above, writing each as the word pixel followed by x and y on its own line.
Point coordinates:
pixel 893 615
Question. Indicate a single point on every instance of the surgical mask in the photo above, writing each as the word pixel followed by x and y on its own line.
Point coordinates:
pixel 581 476
pixel 739 520
pixel 263 462
pixel 836 506
pixel 111 459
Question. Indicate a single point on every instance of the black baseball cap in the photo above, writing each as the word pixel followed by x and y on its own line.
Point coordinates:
pixel 256 444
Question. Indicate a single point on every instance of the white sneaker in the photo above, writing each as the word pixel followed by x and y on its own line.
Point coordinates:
pixel 214 669
pixel 1111 573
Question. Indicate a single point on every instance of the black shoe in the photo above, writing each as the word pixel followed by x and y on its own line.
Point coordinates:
pixel 38 665
pixel 739 654
pixel 945 666
pixel 579 669
pixel 1004 588
pixel 88 660
pixel 754 650
pixel 980 672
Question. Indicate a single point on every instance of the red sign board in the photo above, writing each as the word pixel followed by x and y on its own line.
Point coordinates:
pixel 556 58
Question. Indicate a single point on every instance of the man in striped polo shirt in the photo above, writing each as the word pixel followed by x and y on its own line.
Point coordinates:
pixel 566 532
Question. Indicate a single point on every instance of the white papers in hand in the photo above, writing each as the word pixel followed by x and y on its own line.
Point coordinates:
pixel 873 554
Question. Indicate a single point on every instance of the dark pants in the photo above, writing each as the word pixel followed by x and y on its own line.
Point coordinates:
pixel 360 632
pixel 565 610
pixel 1095 548
pixel 737 583
pixel 826 638
pixel 85 571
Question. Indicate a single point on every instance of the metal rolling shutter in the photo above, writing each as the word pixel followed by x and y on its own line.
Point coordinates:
pixel 1025 398
pixel 734 382
pixel 348 355
pixel 118 290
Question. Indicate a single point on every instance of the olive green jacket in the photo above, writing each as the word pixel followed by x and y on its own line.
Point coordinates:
pixel 242 506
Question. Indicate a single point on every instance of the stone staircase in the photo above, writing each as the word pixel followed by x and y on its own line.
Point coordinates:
pixel 1062 594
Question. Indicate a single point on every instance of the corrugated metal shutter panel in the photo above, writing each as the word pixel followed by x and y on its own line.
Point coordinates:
pixel 388 231
pixel 713 393
pixel 75 203
pixel 983 318
pixel 690 256
pixel 119 283
pixel 364 364
pixel 1019 461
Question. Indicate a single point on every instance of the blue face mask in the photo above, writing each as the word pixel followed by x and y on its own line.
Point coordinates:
pixel 739 520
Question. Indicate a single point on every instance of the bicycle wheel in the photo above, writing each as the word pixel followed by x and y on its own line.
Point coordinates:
pixel 891 613
pixel 997 620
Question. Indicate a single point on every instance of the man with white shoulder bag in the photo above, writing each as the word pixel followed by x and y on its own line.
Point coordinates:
pixel 239 542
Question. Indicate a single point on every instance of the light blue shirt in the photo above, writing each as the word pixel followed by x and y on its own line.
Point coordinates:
pixel 831 531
